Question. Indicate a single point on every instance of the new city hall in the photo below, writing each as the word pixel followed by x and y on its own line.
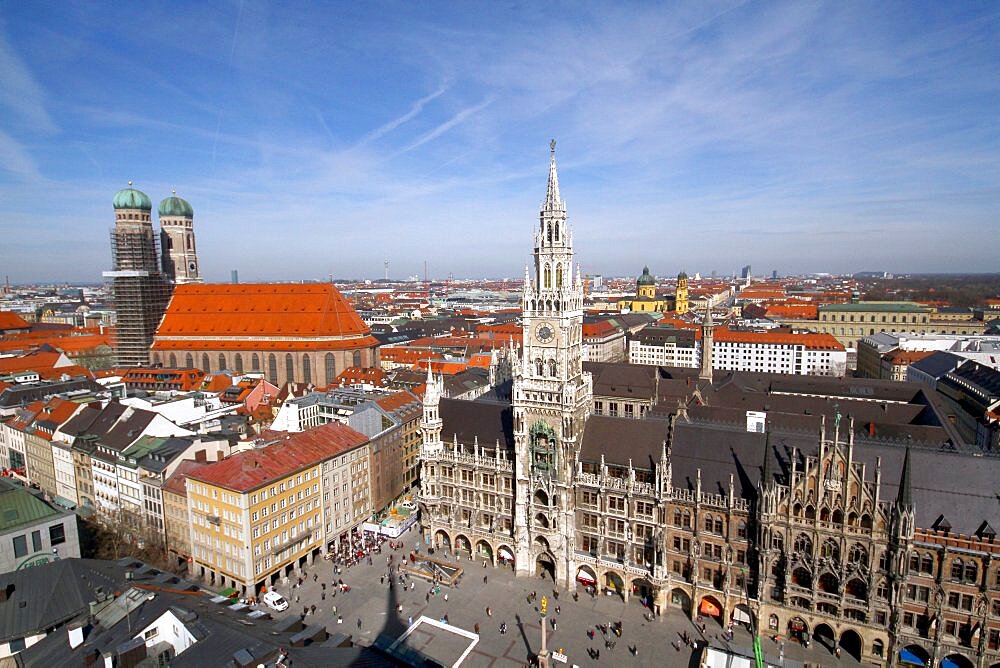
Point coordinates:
pixel 845 511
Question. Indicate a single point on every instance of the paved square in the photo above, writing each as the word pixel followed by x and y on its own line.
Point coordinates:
pixel 386 613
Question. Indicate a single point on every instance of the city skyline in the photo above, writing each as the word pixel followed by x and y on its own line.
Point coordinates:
pixel 810 138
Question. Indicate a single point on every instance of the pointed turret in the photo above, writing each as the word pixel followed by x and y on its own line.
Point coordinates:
pixel 707 338
pixel 904 497
pixel 553 202
pixel 768 477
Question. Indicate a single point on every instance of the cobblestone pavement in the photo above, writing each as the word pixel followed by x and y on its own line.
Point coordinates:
pixel 374 604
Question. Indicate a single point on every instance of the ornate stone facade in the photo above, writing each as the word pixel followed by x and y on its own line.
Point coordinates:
pixel 790 530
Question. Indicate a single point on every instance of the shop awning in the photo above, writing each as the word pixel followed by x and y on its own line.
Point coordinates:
pixel 907 657
pixel 585 578
pixel 797 625
pixel 505 553
pixel 740 616
pixel 708 608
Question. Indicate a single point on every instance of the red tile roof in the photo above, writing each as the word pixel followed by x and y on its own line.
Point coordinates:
pixel 356 375
pixel 11 320
pixel 787 310
pixel 246 471
pixel 811 341
pixel 447 368
pixel 183 380
pixel 177 482
pixel 248 310
pixel 397 400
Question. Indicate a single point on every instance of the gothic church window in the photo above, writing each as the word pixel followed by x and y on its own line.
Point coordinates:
pixel 238 362
pixel 548 276
pixel 255 362
pixel 306 369
pixel 289 368
pixel 204 363
pixel 559 276
pixel 222 362
pixel 272 367
pixel 331 368
pixel 173 360
pixel 189 361
pixel 357 358
pixel 552 367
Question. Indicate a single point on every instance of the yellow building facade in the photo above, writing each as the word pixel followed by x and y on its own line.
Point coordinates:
pixel 647 301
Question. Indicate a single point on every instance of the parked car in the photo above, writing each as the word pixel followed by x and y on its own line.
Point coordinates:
pixel 275 600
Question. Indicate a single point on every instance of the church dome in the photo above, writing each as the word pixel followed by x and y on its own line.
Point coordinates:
pixel 683 275
pixel 646 278
pixel 130 198
pixel 176 206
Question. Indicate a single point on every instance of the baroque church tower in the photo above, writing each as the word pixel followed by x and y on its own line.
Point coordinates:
pixel 552 397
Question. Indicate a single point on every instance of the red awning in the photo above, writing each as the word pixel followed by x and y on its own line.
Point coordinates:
pixel 709 608
pixel 585 578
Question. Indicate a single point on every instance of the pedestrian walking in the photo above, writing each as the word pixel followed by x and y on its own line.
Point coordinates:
pixel 409 620
pixel 312 609
pixel 476 627
pixel 359 622
pixel 484 579
pixel 446 597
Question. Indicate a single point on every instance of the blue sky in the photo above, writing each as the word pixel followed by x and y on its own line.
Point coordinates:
pixel 800 137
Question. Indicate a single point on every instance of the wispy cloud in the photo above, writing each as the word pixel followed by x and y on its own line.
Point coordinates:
pixel 16 161
pixel 455 120
pixel 413 112
pixel 20 92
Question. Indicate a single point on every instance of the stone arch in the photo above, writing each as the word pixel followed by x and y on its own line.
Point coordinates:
pixel 238 363
pixel 545 563
pixel 173 360
pixel 824 514
pixel 913 655
pixel 797 510
pixel 866 521
pixel 802 578
pixel 825 636
pixel 852 519
pixel 542 520
pixel 643 590
pixel 505 555
pixel 742 614
pixel 797 628
pixel 586 575
pixel 957 661
pixel 711 607
pixel 838 516
pixel 851 643
pixel 484 550
pixel 681 599
pixel 442 539
pixel 614 583
pixel 856 588
pixel 541 498
pixel 463 544
pixel 829 583
pixel 541 543
pixel 810 512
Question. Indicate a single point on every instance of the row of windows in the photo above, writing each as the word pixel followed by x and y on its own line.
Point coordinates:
pixel 57 536
pixel 329 364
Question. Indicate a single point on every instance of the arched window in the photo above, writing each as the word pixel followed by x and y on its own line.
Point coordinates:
pixel 539 366
pixel 559 275
pixel 205 366
pixel 677 517
pixel 548 229
pixel 866 521
pixel 687 519
pixel 307 375
pixel 173 361
pixel 824 514
pixel 555 232
pixel 255 363
pixel 957 569
pixel 829 583
pixel 831 550
pixel 552 368
pixel 222 362
pixel 772 622
pixel 330 364
pixel 878 648
pixel 356 361
pixel 189 361
pixel 810 513
pixel 971 571
pixel 272 368
pixel 777 541
pixel 803 544
pixel 838 517
pixel 547 274
pixel 238 362
pixel 859 555
pixel 708 523
pixel 797 510
pixel 289 368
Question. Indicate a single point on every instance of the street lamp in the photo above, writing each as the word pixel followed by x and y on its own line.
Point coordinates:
pixel 543 610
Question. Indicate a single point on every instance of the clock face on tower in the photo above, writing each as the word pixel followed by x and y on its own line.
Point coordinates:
pixel 544 332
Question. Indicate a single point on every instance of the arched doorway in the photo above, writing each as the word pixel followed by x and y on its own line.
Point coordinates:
pixel 710 607
pixel 850 643
pixel 586 576
pixel 484 551
pixel 613 584
pixel 545 564
pixel 505 555
pixel 798 629
pixel 743 615
pixel 825 636
pixel 463 546
pixel 442 540
pixel 680 598
pixel 956 661
pixel 643 591
pixel 913 655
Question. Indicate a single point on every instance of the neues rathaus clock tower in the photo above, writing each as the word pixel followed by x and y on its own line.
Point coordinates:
pixel 552 397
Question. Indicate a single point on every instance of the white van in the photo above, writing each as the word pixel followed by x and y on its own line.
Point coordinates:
pixel 275 600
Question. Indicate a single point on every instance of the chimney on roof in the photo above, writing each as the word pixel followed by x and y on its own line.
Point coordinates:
pixel 200 456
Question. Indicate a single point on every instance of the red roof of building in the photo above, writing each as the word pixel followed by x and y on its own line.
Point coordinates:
pixel 177 482
pixel 405 355
pixel 11 320
pixel 788 310
pixel 481 360
pixel 248 311
pixel 897 357
pixel 246 471
pixel 599 328
pixel 183 380
pixel 356 375
pixel 810 340
pixel 447 368
pixel 397 400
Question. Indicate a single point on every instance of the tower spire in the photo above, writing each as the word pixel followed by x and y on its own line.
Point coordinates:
pixel 904 498
pixel 553 202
